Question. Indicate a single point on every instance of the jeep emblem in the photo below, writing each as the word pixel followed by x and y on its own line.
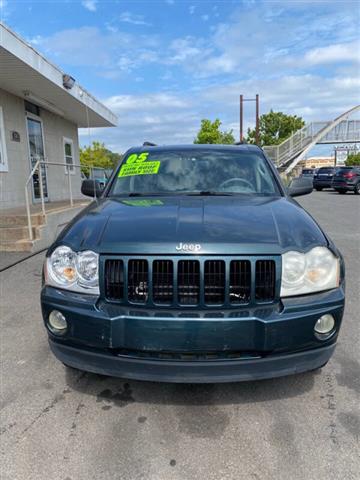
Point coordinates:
pixel 188 247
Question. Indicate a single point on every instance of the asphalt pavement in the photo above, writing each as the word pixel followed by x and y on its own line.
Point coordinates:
pixel 58 424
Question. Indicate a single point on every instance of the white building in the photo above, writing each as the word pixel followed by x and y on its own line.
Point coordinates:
pixel 41 109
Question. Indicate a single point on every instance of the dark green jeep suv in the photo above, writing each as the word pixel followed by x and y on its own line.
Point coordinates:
pixel 193 265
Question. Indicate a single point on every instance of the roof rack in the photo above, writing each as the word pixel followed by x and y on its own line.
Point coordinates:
pixel 243 142
pixel 149 144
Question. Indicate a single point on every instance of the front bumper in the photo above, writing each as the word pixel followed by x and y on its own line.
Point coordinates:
pixel 343 185
pixel 209 371
pixel 322 183
pixel 189 345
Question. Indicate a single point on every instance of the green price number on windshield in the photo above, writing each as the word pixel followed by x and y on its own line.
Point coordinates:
pixel 137 164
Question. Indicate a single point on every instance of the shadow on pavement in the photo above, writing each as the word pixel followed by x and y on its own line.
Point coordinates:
pixel 121 392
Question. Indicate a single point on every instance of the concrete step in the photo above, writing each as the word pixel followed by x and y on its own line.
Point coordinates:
pixel 37 219
pixel 18 246
pixel 9 234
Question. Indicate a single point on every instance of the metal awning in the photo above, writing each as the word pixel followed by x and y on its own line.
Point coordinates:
pixel 27 74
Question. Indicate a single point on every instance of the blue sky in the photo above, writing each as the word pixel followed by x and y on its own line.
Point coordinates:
pixel 163 65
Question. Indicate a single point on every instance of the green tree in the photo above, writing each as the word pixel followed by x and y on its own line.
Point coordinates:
pixel 210 133
pixel 275 127
pixel 353 159
pixel 97 155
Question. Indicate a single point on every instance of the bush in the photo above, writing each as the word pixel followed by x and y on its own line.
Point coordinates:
pixel 353 159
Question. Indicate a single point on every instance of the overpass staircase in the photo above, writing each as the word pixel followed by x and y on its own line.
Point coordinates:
pixel 290 152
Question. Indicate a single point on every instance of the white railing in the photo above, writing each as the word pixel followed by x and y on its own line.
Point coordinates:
pixel 292 146
pixel 336 131
pixel 37 169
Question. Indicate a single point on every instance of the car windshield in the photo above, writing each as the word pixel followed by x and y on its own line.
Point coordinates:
pixel 326 170
pixel 194 172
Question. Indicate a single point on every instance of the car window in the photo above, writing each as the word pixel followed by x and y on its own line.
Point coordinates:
pixel 326 170
pixel 194 171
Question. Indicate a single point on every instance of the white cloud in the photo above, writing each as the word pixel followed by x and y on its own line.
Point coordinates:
pixel 129 17
pixel 192 9
pixel 174 117
pixel 90 5
pixel 114 51
pixel 247 40
pixel 341 52
pixel 124 103
pixel 205 18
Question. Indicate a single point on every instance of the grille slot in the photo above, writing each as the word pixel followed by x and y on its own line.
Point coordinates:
pixel 240 281
pixel 114 279
pixel 265 280
pixel 214 282
pixel 138 281
pixel 188 282
pixel 163 279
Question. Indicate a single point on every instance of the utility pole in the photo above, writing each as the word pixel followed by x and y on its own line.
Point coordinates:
pixel 257 117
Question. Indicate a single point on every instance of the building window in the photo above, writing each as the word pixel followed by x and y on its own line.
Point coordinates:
pixel 69 156
pixel 3 155
pixel 32 108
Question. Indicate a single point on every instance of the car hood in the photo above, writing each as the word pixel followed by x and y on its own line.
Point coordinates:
pixel 220 225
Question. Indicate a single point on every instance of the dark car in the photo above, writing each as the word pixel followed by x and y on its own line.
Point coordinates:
pixel 323 178
pixel 347 179
pixel 194 264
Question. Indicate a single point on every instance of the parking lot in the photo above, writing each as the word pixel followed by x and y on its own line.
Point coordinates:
pixel 68 425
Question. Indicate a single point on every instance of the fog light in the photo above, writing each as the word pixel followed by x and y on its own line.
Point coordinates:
pixel 57 322
pixel 325 324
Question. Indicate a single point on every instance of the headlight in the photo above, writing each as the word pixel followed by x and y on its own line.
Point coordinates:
pixel 87 264
pixel 309 272
pixel 78 272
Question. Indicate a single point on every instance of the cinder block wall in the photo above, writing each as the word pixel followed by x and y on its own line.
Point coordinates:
pixel 55 128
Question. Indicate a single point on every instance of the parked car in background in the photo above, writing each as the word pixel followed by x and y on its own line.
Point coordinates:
pixel 308 172
pixel 323 178
pixel 347 179
pixel 100 174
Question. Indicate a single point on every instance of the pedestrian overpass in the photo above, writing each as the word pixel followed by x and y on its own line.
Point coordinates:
pixel 294 149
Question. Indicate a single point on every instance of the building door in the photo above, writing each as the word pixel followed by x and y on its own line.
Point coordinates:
pixel 36 150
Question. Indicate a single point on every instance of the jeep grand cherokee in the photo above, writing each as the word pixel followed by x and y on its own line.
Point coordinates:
pixel 193 265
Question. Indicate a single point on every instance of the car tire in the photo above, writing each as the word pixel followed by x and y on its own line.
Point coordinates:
pixel 342 192
pixel 357 189
pixel 318 189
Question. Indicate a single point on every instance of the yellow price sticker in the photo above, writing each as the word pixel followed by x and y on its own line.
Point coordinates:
pixel 137 165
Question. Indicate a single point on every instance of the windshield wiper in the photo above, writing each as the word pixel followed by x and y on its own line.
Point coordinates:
pixel 209 193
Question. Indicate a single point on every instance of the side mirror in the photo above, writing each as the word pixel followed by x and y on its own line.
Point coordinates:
pixel 92 188
pixel 300 186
